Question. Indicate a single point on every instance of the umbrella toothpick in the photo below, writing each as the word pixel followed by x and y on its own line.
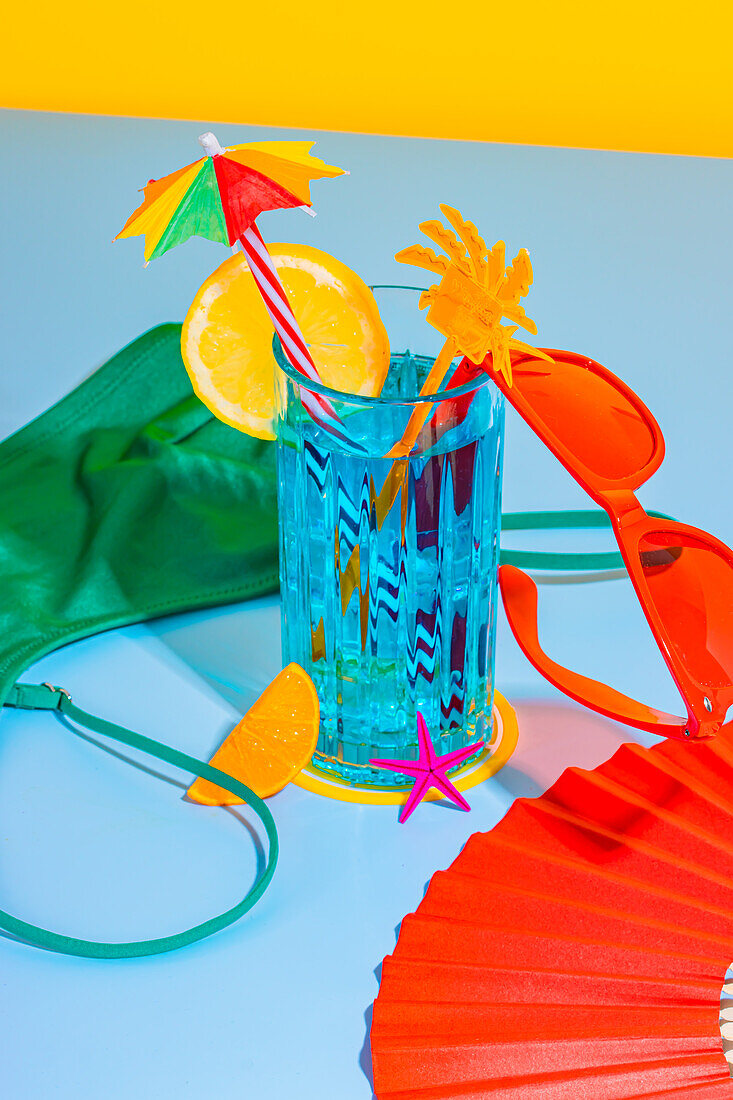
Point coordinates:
pixel 219 196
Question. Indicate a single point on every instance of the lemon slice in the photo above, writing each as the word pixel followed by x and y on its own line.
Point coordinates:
pixel 226 341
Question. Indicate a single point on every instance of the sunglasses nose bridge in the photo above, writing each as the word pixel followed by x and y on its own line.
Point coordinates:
pixel 622 505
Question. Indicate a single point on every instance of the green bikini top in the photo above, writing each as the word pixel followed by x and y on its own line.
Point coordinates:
pixel 125 501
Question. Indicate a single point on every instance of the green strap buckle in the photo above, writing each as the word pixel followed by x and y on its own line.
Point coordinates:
pixel 36 697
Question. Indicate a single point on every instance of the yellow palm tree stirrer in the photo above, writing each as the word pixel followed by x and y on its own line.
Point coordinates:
pixel 475 293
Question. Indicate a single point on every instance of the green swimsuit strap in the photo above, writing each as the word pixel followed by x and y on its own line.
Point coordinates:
pixel 46 697
pixel 554 521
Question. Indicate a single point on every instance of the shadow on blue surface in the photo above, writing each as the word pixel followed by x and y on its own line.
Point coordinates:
pixel 231 810
pixel 365 1055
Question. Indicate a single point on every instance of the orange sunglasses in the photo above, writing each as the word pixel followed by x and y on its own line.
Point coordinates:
pixel 608 440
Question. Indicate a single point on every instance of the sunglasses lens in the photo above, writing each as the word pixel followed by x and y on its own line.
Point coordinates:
pixel 691 585
pixel 611 433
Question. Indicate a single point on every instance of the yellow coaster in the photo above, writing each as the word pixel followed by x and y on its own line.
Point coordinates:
pixel 493 757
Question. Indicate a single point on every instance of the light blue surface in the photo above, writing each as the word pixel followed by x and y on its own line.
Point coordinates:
pixel 631 257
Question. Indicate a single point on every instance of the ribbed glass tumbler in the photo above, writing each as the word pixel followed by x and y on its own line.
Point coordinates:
pixel 388 567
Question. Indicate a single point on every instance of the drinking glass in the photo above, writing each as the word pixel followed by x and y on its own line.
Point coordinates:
pixel 388 567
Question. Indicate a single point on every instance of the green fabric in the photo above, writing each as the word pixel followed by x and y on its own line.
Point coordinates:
pixel 126 501
pixel 45 697
pixel 200 213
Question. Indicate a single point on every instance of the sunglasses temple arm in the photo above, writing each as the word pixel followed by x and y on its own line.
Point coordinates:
pixel 519 595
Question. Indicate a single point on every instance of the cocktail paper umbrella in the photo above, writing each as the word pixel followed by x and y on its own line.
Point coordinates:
pixel 579 949
pixel 219 197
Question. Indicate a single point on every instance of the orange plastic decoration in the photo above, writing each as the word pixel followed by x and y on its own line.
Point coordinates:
pixel 271 744
pixel 611 444
pixel 475 293
pixel 578 949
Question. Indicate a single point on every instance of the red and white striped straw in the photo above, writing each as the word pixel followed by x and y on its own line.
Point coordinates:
pixel 273 294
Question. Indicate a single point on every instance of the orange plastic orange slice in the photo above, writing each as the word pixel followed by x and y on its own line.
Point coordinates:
pixel 271 744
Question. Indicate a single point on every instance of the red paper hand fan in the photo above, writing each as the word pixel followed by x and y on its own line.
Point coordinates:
pixel 579 949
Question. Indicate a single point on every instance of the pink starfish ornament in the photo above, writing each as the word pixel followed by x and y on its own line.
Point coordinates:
pixel 429 770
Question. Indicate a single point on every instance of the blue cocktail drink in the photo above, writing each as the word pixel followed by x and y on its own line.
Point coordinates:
pixel 388 567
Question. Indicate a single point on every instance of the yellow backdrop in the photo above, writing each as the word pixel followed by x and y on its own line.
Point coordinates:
pixel 624 75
